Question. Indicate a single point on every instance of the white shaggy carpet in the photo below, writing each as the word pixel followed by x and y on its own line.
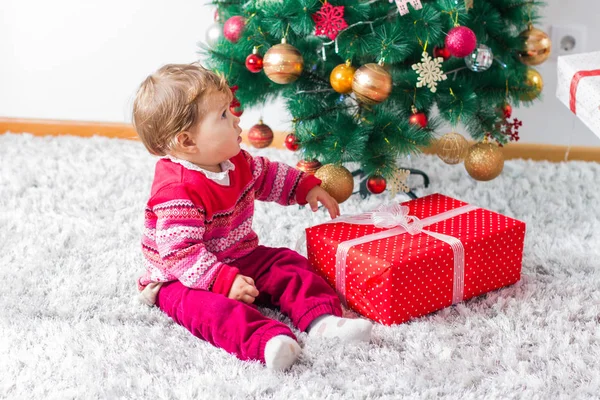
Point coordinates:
pixel 71 211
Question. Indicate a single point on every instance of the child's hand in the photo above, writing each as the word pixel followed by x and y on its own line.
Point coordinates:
pixel 243 289
pixel 317 194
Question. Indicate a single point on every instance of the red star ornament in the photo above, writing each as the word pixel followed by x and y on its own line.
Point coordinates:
pixel 329 20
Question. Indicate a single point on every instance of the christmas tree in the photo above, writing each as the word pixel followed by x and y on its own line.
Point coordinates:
pixel 369 81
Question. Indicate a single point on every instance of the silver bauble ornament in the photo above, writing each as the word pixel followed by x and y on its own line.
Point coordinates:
pixel 214 33
pixel 480 59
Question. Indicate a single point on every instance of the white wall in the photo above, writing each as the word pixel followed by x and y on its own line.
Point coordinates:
pixel 68 59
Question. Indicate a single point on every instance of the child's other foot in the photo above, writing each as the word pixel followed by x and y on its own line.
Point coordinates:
pixel 280 352
pixel 330 326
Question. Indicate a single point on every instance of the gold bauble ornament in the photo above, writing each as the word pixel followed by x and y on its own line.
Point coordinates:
pixel 537 46
pixel 341 78
pixel 484 161
pixel 534 81
pixel 260 135
pixel 452 148
pixel 308 166
pixel 372 84
pixel 283 63
pixel 337 181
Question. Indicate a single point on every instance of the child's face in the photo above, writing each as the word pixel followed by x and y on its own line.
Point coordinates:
pixel 217 136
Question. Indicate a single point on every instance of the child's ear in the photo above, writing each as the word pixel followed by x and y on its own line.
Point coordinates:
pixel 185 142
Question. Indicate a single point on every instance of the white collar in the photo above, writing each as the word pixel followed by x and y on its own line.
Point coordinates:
pixel 222 178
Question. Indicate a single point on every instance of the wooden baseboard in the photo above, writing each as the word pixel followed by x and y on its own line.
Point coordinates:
pixel 39 127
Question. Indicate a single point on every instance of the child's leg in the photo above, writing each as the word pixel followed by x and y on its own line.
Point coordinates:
pixel 285 279
pixel 232 325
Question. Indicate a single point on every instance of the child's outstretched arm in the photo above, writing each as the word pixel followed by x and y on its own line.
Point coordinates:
pixel 278 182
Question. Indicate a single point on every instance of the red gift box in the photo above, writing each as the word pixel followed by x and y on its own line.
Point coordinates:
pixel 407 260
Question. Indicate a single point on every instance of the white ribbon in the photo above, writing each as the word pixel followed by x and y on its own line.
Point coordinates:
pixel 396 217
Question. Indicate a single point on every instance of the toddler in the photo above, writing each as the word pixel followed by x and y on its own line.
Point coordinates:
pixel 204 266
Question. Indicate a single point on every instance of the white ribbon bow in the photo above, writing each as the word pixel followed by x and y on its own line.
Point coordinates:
pixel 390 216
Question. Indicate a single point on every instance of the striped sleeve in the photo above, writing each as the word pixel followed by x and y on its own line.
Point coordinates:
pixel 280 183
pixel 179 240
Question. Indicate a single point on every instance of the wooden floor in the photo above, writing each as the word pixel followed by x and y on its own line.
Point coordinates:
pixel 41 127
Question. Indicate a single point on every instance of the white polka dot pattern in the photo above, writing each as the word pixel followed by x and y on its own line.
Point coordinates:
pixel 395 279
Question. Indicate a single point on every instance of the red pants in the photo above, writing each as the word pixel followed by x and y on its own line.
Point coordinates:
pixel 283 278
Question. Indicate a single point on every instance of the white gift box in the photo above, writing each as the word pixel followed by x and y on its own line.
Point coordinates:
pixel 579 87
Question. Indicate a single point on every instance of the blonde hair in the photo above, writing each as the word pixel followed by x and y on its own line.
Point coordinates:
pixel 172 100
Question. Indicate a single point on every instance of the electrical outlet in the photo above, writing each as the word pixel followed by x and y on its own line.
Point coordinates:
pixel 568 39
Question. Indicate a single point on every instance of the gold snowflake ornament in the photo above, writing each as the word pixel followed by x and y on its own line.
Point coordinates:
pixel 430 72
pixel 398 182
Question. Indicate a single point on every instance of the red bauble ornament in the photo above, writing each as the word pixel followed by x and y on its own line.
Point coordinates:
pixel 461 41
pixel 376 184
pixel 441 52
pixel 260 135
pixel 233 28
pixel 254 62
pixel 291 142
pixel 308 166
pixel 418 118
pixel 507 110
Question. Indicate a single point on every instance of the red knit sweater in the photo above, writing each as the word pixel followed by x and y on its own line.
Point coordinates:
pixel 194 227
